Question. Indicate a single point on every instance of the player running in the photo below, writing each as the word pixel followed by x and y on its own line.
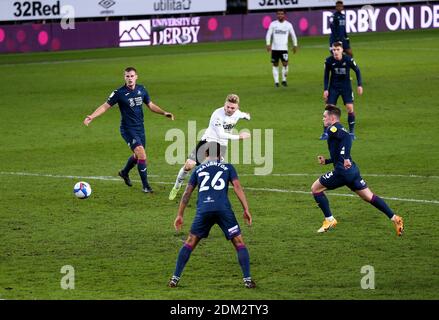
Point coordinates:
pixel 130 99
pixel 213 207
pixel 338 29
pixel 221 123
pixel 279 31
pixel 345 173
pixel 337 83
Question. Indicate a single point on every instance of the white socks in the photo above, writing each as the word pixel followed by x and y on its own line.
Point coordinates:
pixel 284 73
pixel 180 178
pixel 276 74
pixel 331 218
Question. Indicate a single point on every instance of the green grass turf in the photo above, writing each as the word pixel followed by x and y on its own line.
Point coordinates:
pixel 122 243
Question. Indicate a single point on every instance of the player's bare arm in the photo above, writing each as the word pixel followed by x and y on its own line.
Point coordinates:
pixel 155 108
pixel 183 204
pixel 360 90
pixel 321 160
pixel 99 111
pixel 241 196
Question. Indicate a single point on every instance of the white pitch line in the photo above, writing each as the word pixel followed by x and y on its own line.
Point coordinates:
pixel 366 175
pixel 107 178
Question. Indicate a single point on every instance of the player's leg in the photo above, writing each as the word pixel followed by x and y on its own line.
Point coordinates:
pixel 140 153
pixel 193 160
pixel 284 59
pixel 124 173
pixel 181 176
pixel 275 62
pixel 347 48
pixel 327 181
pixel 183 258
pixel 351 117
pixel 132 160
pixel 367 195
pixel 244 260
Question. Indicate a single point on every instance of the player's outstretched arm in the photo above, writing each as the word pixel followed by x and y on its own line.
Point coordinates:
pixel 155 108
pixel 241 196
pixel 99 111
pixel 183 203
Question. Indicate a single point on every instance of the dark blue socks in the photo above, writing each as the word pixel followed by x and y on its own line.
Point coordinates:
pixel 323 203
pixel 130 164
pixel 379 203
pixel 351 121
pixel 244 260
pixel 141 166
pixel 183 258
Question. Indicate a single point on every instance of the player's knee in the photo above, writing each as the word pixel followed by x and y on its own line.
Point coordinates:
pixel 238 241
pixel 191 241
pixel 140 153
pixel 350 108
pixel 315 188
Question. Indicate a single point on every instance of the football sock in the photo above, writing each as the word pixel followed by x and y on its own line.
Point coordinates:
pixel 244 260
pixel 180 177
pixel 132 161
pixel 276 74
pixel 351 121
pixel 323 203
pixel 183 258
pixel 379 203
pixel 141 167
pixel 284 73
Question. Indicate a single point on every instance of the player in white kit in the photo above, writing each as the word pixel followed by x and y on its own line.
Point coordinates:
pixel 279 30
pixel 221 123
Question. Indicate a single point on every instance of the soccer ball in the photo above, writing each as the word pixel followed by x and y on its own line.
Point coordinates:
pixel 82 190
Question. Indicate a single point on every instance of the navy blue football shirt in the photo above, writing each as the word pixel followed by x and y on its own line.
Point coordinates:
pixel 340 72
pixel 212 179
pixel 339 145
pixel 130 105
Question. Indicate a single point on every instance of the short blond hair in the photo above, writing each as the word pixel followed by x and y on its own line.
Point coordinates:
pixel 232 98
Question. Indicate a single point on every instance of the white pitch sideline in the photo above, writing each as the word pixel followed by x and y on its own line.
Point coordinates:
pixel 107 178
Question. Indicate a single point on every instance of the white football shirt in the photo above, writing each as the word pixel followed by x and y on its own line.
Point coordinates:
pixel 221 125
pixel 280 31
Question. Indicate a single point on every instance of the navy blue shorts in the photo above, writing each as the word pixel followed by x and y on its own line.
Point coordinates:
pixel 133 138
pixel 204 221
pixel 350 178
pixel 346 94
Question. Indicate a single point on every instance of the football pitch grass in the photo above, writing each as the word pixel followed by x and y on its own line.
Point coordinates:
pixel 121 242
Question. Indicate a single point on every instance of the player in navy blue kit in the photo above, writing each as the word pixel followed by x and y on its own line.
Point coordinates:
pixel 130 99
pixel 213 207
pixel 337 83
pixel 345 173
pixel 338 29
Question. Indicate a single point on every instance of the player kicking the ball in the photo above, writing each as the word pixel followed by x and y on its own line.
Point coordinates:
pixel 222 121
pixel 345 173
